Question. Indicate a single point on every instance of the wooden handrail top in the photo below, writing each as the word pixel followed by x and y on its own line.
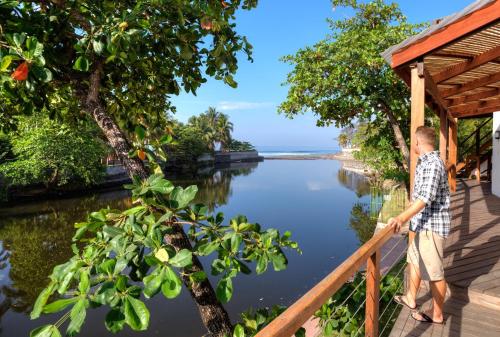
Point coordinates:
pixel 286 324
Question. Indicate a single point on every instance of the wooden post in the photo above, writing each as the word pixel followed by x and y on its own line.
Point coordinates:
pixel 417 112
pixel 452 155
pixel 372 294
pixel 443 135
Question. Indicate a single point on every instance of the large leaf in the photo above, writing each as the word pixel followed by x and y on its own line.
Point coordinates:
pixel 136 314
pixel 208 247
pixel 82 64
pixel 41 300
pixel 153 282
pixel 182 197
pixel 172 285
pixel 115 320
pixel 182 259
pixel 46 331
pixel 59 305
pixel 224 289
pixel 77 316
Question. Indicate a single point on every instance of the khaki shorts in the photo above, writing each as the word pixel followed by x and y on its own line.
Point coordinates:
pixel 426 253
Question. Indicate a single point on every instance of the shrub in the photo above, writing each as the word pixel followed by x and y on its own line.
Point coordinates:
pixel 236 145
pixel 54 154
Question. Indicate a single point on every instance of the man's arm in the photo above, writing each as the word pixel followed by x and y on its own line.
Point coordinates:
pixel 415 208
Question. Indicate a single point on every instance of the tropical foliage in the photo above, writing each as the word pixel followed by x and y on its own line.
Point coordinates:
pixel 343 78
pixel 215 127
pixel 126 256
pixel 47 152
pixel 236 145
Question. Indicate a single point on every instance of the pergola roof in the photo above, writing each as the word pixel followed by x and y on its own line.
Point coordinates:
pixel 461 60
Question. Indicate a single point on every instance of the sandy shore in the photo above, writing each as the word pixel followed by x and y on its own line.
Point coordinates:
pixel 330 156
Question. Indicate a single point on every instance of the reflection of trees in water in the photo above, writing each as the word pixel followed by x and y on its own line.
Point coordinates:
pixel 214 189
pixel 37 241
pixel 354 181
pixel 362 221
pixel 36 237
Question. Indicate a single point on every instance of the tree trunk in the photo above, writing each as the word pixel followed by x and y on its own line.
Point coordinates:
pixel 400 139
pixel 213 314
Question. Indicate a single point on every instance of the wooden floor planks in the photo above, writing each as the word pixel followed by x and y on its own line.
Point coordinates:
pixel 472 263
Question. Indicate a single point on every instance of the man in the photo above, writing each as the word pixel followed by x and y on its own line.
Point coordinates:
pixel 430 222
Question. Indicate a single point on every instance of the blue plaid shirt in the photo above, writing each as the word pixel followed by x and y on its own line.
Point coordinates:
pixel 431 186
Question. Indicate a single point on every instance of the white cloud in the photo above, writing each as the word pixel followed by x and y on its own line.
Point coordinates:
pixel 241 105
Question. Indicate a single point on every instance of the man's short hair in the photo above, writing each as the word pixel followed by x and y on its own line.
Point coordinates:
pixel 427 134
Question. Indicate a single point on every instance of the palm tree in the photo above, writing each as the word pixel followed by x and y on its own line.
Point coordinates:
pixel 223 131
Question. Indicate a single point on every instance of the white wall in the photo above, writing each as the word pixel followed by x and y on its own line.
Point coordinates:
pixel 495 174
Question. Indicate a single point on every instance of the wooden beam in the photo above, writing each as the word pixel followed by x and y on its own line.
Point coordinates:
pixel 417 112
pixel 462 67
pixel 474 97
pixel 443 135
pixel 432 89
pixel 452 155
pixel 372 295
pixel 473 106
pixel 458 29
pixel 480 82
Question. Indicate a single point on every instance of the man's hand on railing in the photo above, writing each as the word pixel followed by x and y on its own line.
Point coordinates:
pixel 395 223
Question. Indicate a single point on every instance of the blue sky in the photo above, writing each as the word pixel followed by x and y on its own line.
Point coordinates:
pixel 276 28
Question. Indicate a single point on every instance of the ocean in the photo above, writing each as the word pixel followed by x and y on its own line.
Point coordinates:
pixel 276 151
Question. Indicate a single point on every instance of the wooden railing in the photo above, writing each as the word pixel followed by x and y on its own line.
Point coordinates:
pixel 286 324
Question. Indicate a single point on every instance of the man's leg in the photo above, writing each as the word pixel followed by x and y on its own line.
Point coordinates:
pixel 438 289
pixel 414 280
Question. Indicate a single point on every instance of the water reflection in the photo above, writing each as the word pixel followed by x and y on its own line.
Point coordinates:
pixel 354 181
pixel 329 223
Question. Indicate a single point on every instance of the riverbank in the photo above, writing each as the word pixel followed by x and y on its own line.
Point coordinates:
pixel 349 163
pixel 116 176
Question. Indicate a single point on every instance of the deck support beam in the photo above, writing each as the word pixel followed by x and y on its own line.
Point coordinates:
pixel 372 295
pixel 417 112
pixel 452 155
pixel 443 135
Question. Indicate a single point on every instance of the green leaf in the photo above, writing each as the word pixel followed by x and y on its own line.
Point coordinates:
pixel 224 290
pixel 19 39
pixel 172 285
pixel 84 284
pixel 115 320
pixel 165 139
pixel 152 283
pixel 136 314
pixel 208 248
pixel 82 64
pixel 133 210
pixel 300 333
pixel 59 305
pixel 163 186
pixel 239 331
pixel 98 46
pixel 46 331
pixel 183 197
pixel 6 60
pixel 41 300
pixel 261 263
pixel 182 259
pixel 140 132
pixel 236 240
pixel 77 316
pixel 198 276
pixel 279 261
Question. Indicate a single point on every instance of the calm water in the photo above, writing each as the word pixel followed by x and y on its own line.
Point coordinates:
pixel 313 199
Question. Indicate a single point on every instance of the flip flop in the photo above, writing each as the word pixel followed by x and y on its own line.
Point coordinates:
pixel 426 318
pixel 399 300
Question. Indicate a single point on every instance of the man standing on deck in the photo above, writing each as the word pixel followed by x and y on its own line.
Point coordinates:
pixel 430 221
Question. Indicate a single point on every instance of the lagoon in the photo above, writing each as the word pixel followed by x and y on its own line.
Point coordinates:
pixel 325 207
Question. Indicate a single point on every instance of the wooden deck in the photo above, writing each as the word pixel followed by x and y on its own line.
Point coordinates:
pixel 472 269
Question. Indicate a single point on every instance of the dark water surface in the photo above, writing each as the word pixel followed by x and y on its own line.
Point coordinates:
pixel 314 199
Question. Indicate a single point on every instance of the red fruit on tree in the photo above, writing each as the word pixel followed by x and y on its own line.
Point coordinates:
pixel 206 23
pixel 21 72
pixel 141 154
